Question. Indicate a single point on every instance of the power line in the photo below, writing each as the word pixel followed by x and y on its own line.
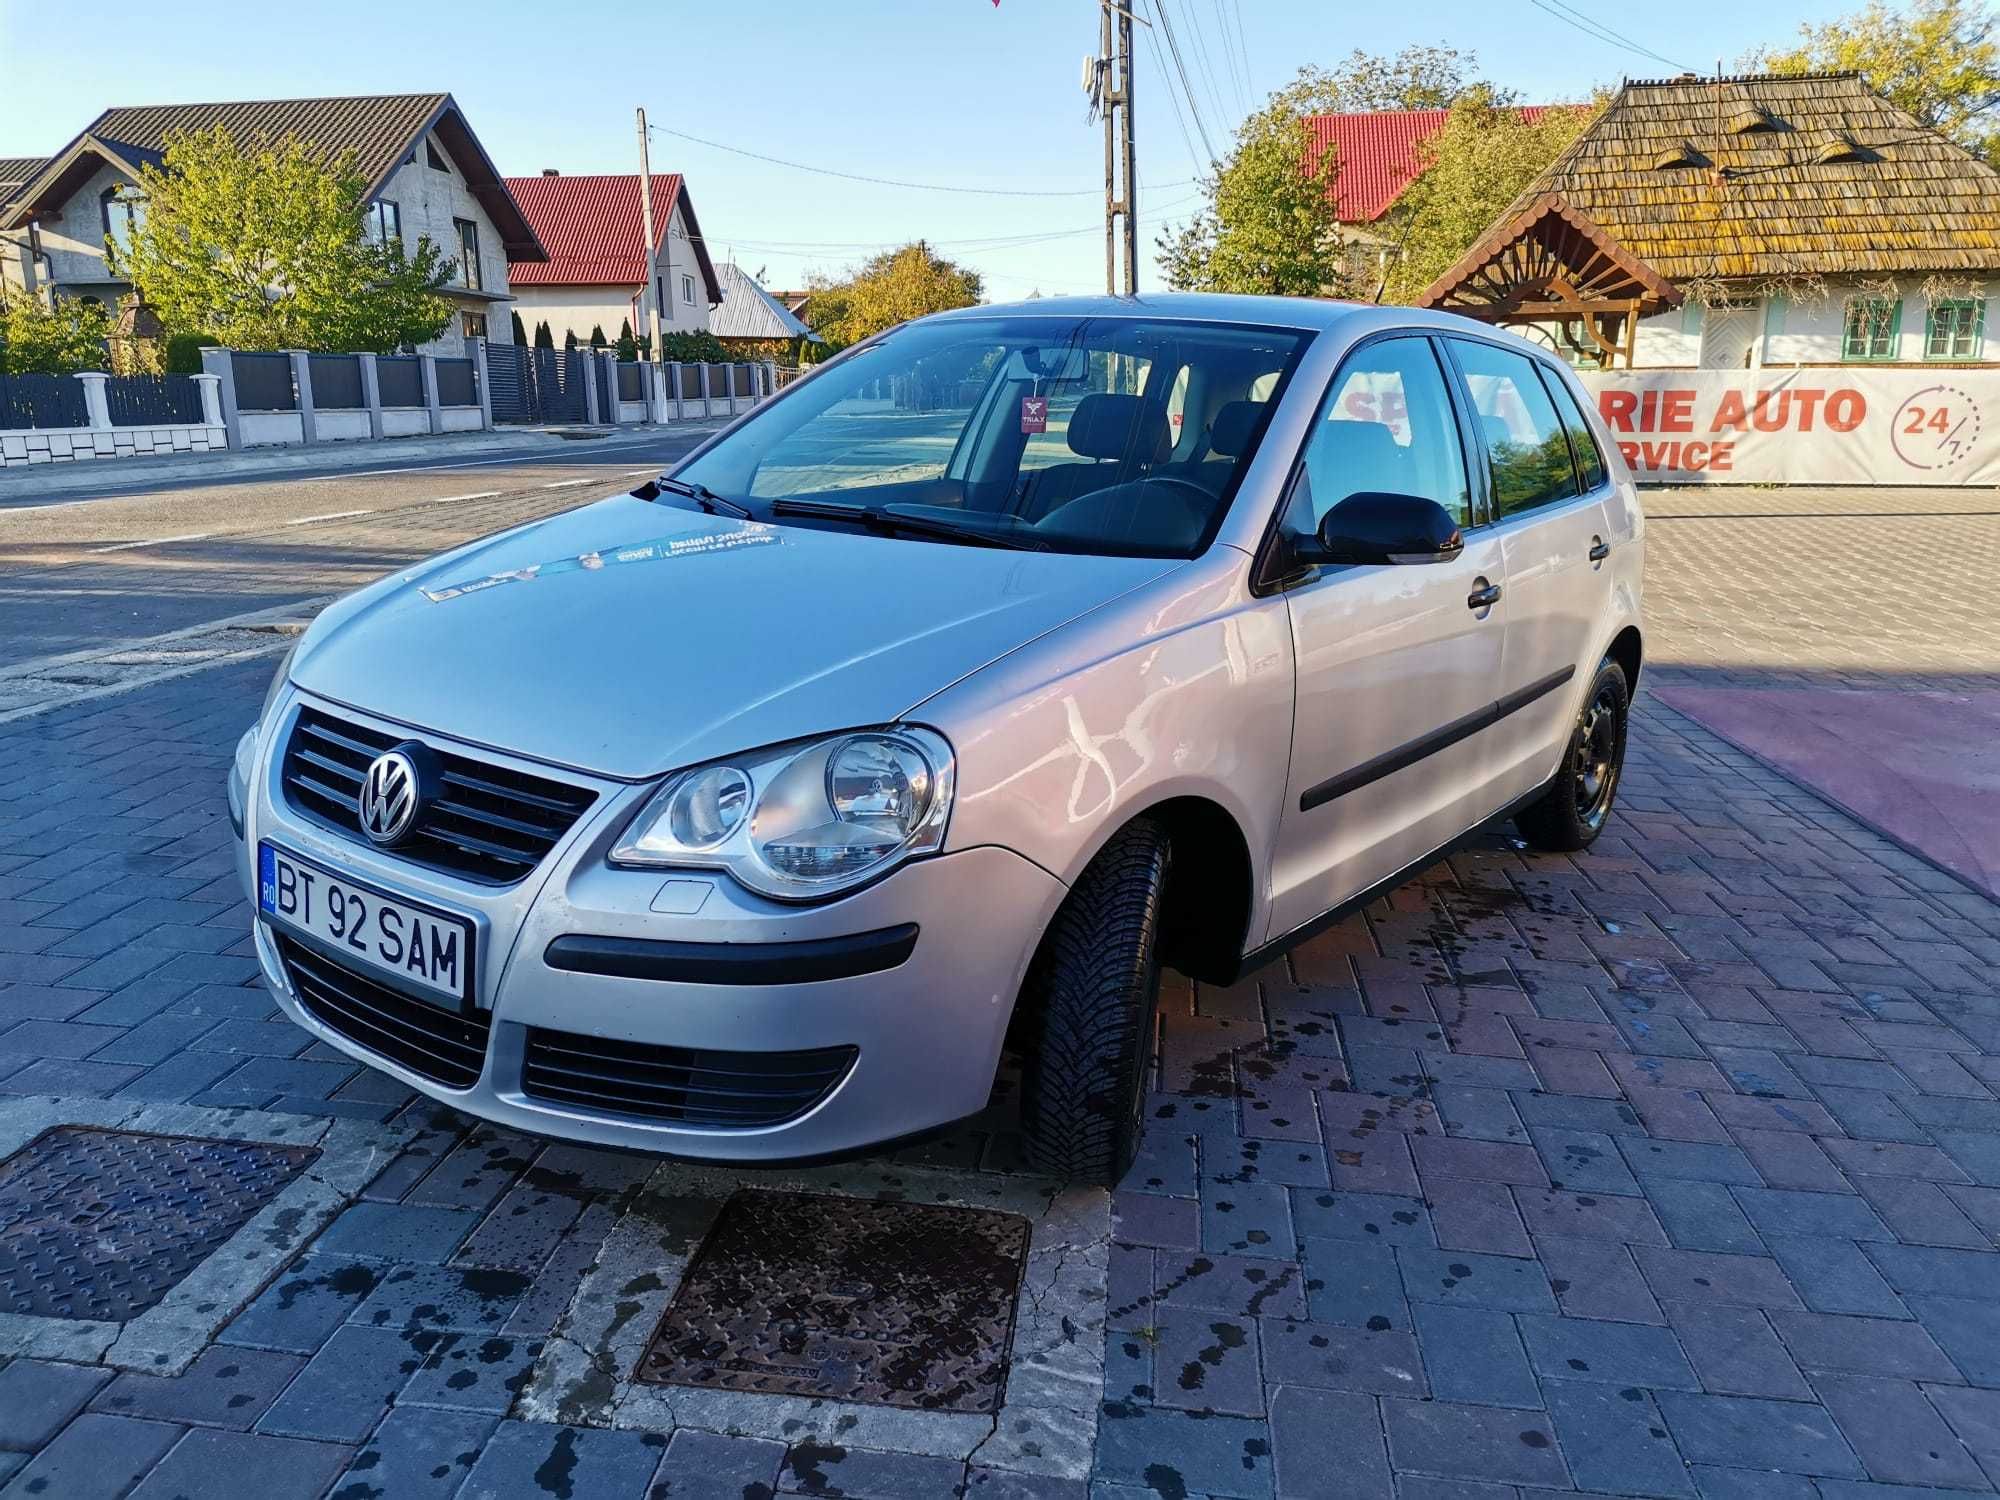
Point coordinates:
pixel 1204 65
pixel 929 187
pixel 1180 67
pixel 1180 115
pixel 1590 26
pixel 1239 79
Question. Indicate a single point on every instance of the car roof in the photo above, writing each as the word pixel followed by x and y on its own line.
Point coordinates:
pixel 1314 313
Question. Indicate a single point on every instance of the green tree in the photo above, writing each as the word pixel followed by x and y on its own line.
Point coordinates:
pixel 1270 227
pixel 628 347
pixel 260 245
pixel 520 329
pixel 543 338
pixel 888 289
pixel 57 339
pixel 569 339
pixel 1471 171
pixel 1938 59
pixel 597 340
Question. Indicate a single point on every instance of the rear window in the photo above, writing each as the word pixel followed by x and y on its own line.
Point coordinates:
pixel 1525 441
pixel 1589 459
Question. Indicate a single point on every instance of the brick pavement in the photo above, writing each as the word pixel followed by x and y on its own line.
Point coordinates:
pixel 1669 1170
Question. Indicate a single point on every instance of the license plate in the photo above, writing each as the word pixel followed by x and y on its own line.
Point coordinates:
pixel 427 949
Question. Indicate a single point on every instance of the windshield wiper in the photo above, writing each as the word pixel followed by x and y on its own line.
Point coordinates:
pixel 880 518
pixel 706 498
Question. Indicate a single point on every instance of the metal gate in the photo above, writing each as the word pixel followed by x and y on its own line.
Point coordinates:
pixel 537 385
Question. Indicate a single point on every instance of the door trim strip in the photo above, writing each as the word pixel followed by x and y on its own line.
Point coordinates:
pixel 1404 756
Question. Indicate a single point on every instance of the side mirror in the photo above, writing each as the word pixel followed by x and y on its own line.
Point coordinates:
pixel 1374 527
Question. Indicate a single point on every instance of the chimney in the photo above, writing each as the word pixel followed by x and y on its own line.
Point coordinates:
pixel 550 172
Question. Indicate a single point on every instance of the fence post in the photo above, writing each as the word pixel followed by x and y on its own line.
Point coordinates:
pixel 371 394
pixel 431 403
pixel 672 370
pixel 477 346
pixel 590 414
pixel 770 378
pixel 302 377
pixel 649 389
pixel 608 378
pixel 210 387
pixel 96 406
pixel 217 362
pixel 707 395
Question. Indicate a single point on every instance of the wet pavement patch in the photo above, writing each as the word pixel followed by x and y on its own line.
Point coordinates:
pixel 102 1224
pixel 886 1303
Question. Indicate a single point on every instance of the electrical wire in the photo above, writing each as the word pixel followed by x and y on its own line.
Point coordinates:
pixel 928 187
pixel 1187 89
pixel 1590 26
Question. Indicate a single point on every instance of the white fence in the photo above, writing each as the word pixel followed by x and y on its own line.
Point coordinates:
pixel 1805 424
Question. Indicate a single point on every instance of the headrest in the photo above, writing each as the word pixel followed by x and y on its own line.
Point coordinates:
pixel 1229 433
pixel 1107 426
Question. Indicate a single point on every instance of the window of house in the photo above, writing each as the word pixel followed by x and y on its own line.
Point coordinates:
pixel 383 222
pixel 1525 441
pixel 687 290
pixel 434 157
pixel 474 324
pixel 1873 324
pixel 1387 427
pixel 468 253
pixel 124 211
pixel 1955 328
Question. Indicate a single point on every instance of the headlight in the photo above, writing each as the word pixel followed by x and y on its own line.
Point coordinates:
pixel 278 681
pixel 803 821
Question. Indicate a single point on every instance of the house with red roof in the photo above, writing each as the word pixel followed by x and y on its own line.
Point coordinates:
pixel 597 273
pixel 1378 154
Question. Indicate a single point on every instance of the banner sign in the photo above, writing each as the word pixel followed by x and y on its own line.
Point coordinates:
pixel 1824 425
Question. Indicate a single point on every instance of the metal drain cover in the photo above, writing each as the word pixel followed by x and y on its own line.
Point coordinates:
pixel 847 1299
pixel 102 1224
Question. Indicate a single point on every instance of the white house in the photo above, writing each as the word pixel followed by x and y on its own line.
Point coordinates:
pixel 428 177
pixel 595 274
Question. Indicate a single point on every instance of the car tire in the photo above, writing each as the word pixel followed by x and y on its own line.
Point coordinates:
pixel 1091 1000
pixel 1572 812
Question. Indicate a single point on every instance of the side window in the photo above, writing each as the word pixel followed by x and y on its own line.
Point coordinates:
pixel 1589 460
pixel 1387 425
pixel 1525 442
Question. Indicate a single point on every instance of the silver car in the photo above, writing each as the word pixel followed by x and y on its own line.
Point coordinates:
pixel 931 709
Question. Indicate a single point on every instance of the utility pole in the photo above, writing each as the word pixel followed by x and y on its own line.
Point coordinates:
pixel 1113 93
pixel 646 219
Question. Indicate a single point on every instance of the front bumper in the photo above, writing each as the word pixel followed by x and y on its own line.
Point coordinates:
pixel 926 1029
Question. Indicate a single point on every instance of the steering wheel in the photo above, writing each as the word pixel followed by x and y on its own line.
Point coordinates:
pixel 1124 511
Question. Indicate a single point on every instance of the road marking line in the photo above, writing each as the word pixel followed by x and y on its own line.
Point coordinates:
pixel 158 541
pixel 570 484
pixel 332 515
pixel 454 499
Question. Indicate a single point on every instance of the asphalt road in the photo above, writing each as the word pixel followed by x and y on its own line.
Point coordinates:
pixel 85 571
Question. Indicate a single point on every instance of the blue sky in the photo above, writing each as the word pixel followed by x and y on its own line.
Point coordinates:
pixel 957 92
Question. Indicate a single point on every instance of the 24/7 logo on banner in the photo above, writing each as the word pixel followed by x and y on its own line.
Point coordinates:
pixel 1936 427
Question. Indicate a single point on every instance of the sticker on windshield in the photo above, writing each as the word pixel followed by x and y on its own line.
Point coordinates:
pixel 754 534
pixel 1034 414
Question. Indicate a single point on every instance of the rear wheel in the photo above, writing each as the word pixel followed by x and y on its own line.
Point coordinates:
pixel 1091 1002
pixel 1576 806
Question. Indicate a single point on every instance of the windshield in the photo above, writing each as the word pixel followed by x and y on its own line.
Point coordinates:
pixel 1118 436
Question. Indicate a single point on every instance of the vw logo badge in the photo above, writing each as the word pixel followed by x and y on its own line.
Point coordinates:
pixel 389 800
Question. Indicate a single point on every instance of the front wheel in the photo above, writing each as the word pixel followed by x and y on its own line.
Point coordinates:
pixel 1576 806
pixel 1091 1002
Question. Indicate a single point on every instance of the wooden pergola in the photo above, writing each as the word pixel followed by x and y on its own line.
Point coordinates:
pixel 1549 265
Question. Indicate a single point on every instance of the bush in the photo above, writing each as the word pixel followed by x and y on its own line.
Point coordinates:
pixel 597 339
pixel 60 339
pixel 543 338
pixel 520 329
pixel 697 346
pixel 184 353
pixel 628 348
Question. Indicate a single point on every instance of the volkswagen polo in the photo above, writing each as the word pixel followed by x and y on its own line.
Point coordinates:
pixel 933 708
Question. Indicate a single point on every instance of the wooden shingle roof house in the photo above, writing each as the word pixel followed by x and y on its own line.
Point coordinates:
pixel 1724 223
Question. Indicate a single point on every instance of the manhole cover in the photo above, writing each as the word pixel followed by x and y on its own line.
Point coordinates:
pixel 897 1304
pixel 102 1224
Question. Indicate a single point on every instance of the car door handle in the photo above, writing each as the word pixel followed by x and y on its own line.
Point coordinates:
pixel 1484 598
pixel 1599 549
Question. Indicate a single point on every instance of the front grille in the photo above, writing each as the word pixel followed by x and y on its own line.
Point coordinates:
pixel 491 824
pixel 684 1085
pixel 445 1046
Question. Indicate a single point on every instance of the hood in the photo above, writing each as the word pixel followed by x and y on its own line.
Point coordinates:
pixel 629 639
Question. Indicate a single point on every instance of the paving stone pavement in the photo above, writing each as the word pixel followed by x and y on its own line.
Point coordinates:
pixel 1668 1170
